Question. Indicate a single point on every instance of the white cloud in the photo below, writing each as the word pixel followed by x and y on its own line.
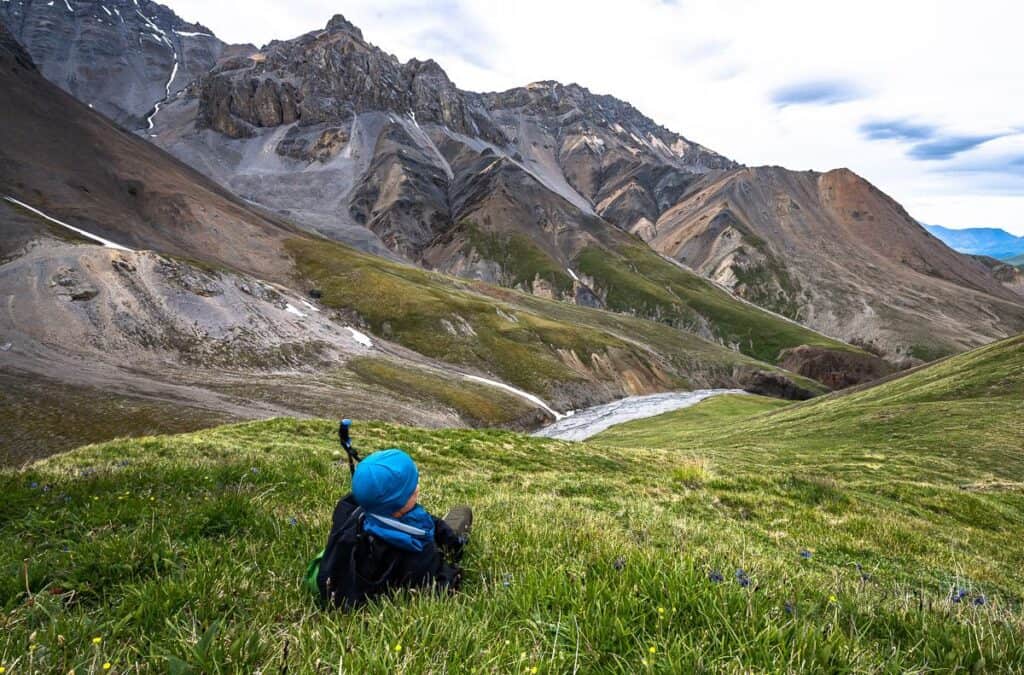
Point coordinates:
pixel 709 69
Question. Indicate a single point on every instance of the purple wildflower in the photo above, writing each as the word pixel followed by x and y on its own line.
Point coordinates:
pixel 716 577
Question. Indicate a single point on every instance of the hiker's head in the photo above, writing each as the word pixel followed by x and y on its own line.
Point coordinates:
pixel 386 483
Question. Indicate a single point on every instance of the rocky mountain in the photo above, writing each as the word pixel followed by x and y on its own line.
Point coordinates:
pixel 834 252
pixel 988 241
pixel 549 187
pixel 131 282
pixel 393 158
pixel 336 135
pixel 552 190
pixel 121 57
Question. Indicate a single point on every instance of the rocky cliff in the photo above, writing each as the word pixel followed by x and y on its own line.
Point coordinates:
pixel 121 57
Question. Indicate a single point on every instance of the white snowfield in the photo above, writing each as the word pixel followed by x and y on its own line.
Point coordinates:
pixel 361 338
pixel 187 34
pixel 88 235
pixel 518 392
pixel 592 421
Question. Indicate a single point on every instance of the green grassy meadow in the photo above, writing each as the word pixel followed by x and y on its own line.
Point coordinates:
pixel 877 531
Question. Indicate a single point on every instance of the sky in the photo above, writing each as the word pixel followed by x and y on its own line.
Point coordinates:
pixel 924 99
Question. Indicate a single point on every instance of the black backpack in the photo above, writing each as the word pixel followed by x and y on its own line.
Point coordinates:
pixel 353 566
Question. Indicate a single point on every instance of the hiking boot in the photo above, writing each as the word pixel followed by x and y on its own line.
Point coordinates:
pixel 460 519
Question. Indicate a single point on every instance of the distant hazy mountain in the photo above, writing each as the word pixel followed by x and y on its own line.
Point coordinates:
pixel 1017 260
pixel 990 241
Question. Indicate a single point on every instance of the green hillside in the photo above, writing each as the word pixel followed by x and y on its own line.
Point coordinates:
pixel 540 345
pixel 877 531
pixel 637 280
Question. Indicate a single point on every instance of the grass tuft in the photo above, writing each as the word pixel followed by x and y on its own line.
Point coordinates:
pixel 692 473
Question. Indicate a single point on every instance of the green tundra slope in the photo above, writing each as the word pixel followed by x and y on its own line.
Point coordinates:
pixel 877 531
pixel 555 349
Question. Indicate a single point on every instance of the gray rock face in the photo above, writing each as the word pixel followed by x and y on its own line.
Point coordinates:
pixel 326 76
pixel 121 57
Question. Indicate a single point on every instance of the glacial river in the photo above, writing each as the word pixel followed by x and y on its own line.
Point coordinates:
pixel 588 422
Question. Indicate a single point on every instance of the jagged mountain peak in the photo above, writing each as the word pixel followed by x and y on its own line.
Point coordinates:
pixel 340 23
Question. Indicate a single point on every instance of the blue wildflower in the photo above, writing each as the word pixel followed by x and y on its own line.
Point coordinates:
pixel 805 554
pixel 293 521
pixel 741 578
pixel 957 595
pixel 788 607
pixel 716 577
pixel 980 601
pixel 33 485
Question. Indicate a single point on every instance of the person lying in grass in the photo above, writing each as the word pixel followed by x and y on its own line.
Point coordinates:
pixel 381 539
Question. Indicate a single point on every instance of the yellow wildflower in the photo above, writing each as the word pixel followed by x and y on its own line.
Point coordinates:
pixel 652 649
pixel 398 647
pixel 106 666
pixel 97 640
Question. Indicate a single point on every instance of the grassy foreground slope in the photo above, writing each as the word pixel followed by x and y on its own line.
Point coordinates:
pixel 731 540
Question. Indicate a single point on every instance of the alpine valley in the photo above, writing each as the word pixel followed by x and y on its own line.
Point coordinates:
pixel 709 417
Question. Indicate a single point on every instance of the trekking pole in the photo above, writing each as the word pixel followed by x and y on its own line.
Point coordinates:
pixel 346 444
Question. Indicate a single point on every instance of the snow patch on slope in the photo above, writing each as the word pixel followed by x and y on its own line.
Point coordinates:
pixel 361 338
pixel 88 235
pixel 518 392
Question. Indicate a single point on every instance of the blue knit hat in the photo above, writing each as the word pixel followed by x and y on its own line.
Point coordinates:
pixel 384 481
